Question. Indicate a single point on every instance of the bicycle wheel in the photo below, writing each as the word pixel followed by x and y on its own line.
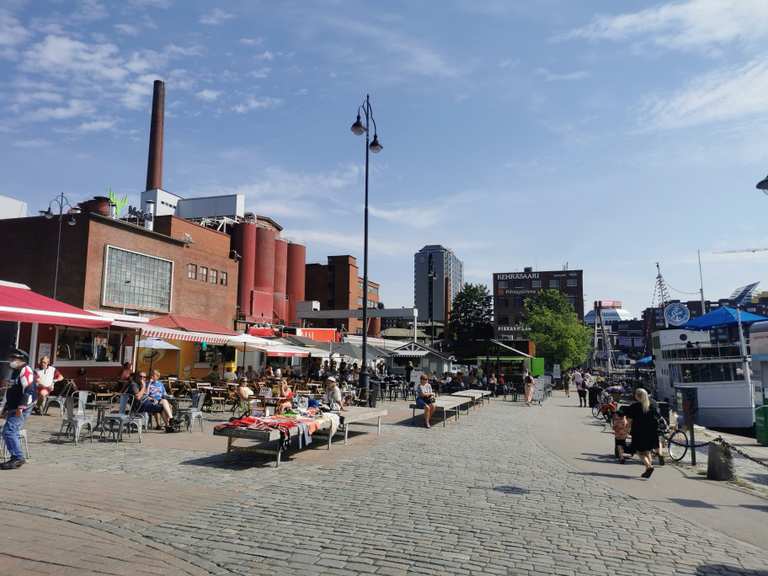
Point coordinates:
pixel 596 412
pixel 677 445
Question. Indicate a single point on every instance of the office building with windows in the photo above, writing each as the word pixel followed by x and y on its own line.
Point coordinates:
pixel 510 290
pixel 438 276
pixel 111 265
pixel 337 286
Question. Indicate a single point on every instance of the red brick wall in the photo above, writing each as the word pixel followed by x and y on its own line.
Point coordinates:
pixel 190 297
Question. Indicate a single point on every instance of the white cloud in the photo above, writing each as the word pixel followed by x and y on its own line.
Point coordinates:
pixel 266 55
pixel 32 143
pixel 719 96
pixel 73 109
pixel 208 95
pixel 261 72
pixel 90 10
pixel 152 3
pixel 347 243
pixel 413 57
pixel 252 41
pixel 127 29
pixel 700 24
pixel 96 126
pixel 11 30
pixel 257 103
pixel 550 76
pixel 215 17
pixel 62 56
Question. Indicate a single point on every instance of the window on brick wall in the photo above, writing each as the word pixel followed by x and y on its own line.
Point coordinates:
pixel 192 271
pixel 213 277
pixel 203 273
pixel 223 278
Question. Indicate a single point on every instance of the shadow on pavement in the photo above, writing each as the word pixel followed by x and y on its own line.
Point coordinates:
pixel 606 475
pixel 724 569
pixel 688 503
pixel 235 461
pixel 509 489
pixel 758 507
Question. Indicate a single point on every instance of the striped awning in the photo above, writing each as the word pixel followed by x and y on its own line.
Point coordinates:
pixel 150 331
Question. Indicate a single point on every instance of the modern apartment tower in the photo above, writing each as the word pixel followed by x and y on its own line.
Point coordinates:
pixel 438 276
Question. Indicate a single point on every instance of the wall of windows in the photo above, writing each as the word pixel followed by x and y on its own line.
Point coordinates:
pixel 136 281
pixel 78 345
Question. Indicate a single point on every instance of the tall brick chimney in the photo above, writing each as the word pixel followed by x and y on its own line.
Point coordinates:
pixel 155 161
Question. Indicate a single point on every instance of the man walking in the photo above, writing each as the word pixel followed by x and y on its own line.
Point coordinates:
pixel 19 400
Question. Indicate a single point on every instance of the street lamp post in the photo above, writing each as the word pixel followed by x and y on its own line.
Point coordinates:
pixel 62 202
pixel 358 128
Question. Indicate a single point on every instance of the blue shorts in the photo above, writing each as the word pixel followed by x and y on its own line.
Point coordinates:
pixel 421 403
pixel 150 407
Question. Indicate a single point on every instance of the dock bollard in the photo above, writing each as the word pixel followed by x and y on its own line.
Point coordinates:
pixel 719 462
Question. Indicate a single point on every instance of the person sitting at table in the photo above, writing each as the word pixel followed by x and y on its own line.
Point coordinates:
pixel 286 395
pixel 425 399
pixel 332 396
pixel 159 395
pixel 245 397
pixel 213 376
pixel 251 374
pixel 144 402
pixel 230 376
pixel 46 378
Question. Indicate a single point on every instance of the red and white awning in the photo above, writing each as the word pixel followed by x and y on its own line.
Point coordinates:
pixel 20 304
pixel 150 331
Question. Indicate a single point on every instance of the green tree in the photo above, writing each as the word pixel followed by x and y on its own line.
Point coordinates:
pixel 470 319
pixel 559 334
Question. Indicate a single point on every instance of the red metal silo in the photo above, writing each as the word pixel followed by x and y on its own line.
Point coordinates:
pixel 281 270
pixel 297 258
pixel 245 245
pixel 264 277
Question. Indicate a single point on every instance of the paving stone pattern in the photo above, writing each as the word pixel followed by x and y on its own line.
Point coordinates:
pixel 478 497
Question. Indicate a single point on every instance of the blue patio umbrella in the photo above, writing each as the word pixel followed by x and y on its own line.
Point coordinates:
pixel 722 317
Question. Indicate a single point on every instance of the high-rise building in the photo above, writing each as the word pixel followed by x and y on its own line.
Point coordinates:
pixel 438 276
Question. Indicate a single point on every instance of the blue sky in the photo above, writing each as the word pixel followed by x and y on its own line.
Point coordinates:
pixel 604 134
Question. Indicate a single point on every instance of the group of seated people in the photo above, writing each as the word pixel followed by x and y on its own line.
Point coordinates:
pixel 332 396
pixel 151 397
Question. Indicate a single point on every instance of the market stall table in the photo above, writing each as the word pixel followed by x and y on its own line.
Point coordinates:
pixel 281 436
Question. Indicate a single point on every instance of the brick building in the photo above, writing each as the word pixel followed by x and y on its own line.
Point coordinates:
pixel 510 290
pixel 338 286
pixel 112 265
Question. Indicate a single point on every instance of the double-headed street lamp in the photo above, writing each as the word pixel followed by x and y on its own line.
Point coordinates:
pixel 62 202
pixel 359 128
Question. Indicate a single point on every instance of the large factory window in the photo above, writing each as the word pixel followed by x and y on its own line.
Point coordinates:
pixel 136 281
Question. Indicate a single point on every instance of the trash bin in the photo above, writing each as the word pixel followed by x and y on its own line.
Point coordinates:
pixel 761 425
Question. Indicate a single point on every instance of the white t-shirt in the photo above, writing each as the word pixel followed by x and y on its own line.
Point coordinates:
pixel 46 378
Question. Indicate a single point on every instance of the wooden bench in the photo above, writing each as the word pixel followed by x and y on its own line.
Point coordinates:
pixel 355 414
pixel 445 405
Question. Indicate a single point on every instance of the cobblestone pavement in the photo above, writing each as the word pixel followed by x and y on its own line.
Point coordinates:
pixel 478 497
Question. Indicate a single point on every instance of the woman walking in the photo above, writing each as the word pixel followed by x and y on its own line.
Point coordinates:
pixel 529 387
pixel 645 429
pixel 581 389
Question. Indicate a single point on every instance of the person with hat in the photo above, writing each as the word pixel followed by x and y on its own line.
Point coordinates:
pixel 19 399
pixel 332 396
